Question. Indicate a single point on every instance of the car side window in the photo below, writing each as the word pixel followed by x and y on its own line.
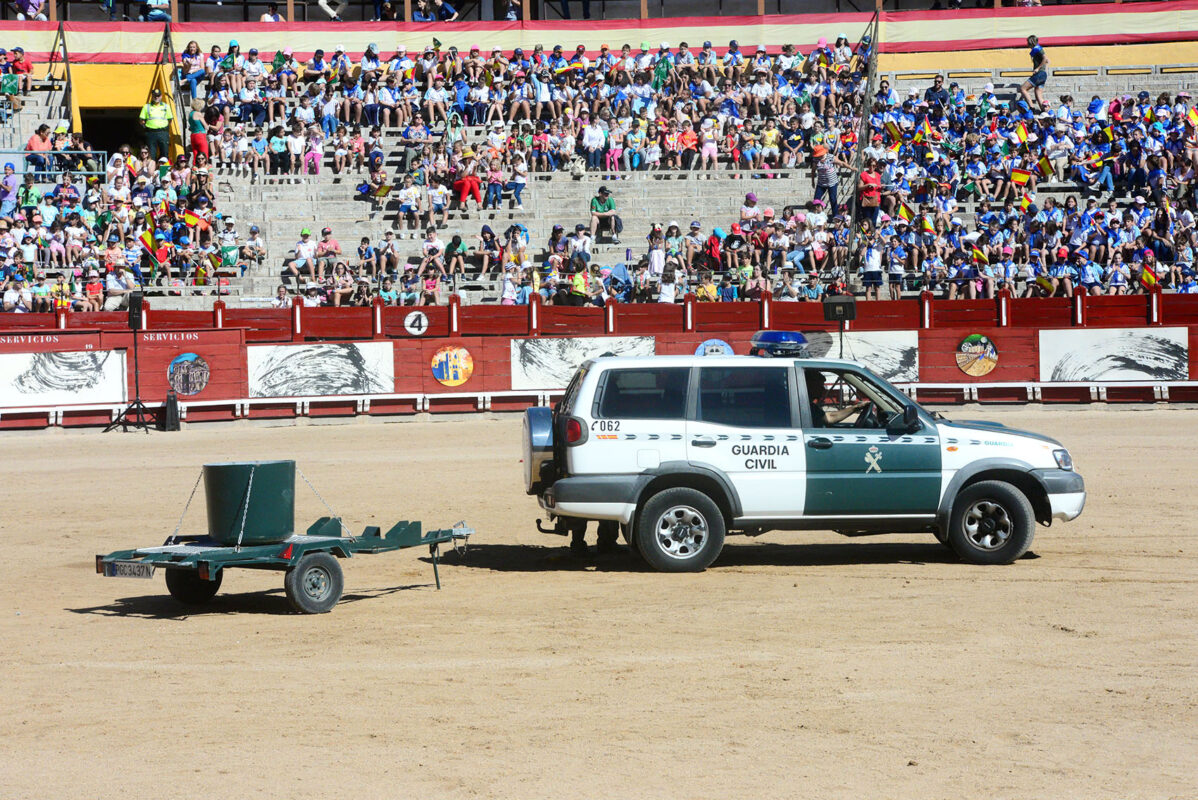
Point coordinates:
pixel 651 393
pixel 845 399
pixel 745 397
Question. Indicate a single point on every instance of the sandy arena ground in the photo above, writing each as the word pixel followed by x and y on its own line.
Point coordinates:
pixel 800 665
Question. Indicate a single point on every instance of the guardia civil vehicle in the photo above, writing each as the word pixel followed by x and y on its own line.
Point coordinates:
pixel 681 451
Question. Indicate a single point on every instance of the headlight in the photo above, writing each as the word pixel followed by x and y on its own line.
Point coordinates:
pixel 1064 460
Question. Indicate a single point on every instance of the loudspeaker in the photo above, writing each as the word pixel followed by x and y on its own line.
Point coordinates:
pixel 135 300
pixel 170 417
pixel 840 308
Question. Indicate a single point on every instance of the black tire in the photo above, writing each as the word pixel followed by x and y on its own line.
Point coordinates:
pixel 992 523
pixel 314 584
pixel 680 530
pixel 186 586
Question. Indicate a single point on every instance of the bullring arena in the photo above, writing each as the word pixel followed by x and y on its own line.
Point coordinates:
pixel 242 233
pixel 799 664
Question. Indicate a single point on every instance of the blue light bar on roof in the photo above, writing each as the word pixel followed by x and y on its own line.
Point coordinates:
pixel 778 344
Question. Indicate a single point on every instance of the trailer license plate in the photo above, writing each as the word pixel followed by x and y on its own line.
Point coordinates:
pixel 128 569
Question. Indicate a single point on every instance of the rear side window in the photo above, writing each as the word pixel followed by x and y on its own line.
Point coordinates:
pixel 651 393
pixel 745 397
pixel 566 405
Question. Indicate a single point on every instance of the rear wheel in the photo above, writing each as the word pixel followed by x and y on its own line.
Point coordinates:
pixel 314 584
pixel 992 523
pixel 186 586
pixel 680 530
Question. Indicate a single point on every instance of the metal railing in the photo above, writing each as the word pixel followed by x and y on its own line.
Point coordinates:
pixel 60 161
pixel 59 85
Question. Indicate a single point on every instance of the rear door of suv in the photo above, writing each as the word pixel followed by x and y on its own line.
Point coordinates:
pixel 745 423
pixel 634 422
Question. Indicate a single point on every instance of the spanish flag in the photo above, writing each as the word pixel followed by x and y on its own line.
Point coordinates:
pixel 1147 277
pixel 924 132
pixel 893 131
pixel 195 220
pixel 905 212
pixel 1020 177
pixel 1044 167
pixel 1192 116
pixel 1027 199
pixel 1149 116
pixel 1044 283
pixel 147 240
pixel 927 225
pixel 1021 132
pixel 979 256
pixel 894 148
pixel 1109 133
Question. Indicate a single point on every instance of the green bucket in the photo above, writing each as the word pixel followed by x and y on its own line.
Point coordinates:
pixel 270 514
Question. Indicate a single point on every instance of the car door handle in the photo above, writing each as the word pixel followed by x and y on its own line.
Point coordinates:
pixel 703 441
pixel 820 443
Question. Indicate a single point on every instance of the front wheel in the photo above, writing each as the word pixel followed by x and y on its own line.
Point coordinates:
pixel 991 523
pixel 680 530
pixel 314 584
pixel 186 586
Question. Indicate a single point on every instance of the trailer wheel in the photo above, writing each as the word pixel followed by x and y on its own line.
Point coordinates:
pixel 186 586
pixel 314 584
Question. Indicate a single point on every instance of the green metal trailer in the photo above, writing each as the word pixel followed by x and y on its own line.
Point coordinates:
pixel 250 527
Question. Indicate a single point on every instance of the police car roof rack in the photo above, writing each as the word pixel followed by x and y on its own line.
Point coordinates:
pixel 779 344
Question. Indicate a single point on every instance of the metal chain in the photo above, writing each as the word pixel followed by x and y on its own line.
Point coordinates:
pixel 190 497
pixel 334 514
pixel 245 506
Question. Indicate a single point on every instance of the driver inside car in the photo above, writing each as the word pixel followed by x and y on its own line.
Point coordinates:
pixel 822 417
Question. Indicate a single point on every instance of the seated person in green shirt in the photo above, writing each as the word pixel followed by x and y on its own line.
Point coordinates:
pixel 603 209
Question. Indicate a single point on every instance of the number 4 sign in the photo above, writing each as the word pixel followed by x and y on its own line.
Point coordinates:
pixel 415 323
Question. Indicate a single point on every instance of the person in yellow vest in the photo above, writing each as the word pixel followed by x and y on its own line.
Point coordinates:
pixel 156 117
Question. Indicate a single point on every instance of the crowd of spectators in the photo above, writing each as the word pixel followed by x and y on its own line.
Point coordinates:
pixel 960 193
pixel 1127 160
pixel 132 223
pixel 476 123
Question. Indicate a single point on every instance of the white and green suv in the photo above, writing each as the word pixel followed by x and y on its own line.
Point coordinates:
pixel 684 450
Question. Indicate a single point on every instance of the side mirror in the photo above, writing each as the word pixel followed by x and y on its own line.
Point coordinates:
pixel 910 418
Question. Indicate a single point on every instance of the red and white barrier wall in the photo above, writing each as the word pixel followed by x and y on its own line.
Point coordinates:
pixel 224 364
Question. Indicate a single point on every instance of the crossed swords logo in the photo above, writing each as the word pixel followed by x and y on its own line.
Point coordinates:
pixel 872 458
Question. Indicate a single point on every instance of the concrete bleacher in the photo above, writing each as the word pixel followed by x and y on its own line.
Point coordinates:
pixel 1082 82
pixel 282 207
pixel 551 198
